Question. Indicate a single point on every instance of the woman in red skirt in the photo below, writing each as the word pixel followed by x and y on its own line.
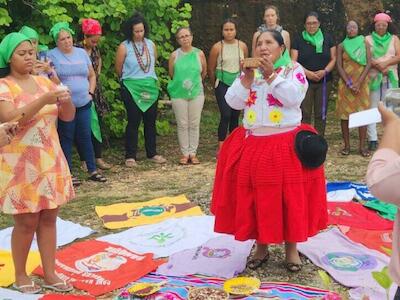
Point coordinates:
pixel 262 190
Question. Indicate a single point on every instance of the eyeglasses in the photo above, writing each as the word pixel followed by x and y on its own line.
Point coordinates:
pixel 184 37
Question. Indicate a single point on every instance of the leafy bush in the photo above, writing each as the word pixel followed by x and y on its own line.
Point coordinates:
pixel 163 16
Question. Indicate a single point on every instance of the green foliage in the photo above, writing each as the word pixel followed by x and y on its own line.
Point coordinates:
pixel 164 18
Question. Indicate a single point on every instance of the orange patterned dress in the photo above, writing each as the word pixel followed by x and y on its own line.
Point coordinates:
pixel 34 173
pixel 348 102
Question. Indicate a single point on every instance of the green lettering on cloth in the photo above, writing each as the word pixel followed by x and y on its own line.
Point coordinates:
pixel 317 39
pixel 95 123
pixel 186 83
pixel 144 91
pixel 356 49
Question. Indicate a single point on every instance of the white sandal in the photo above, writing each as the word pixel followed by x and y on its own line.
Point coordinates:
pixel 55 287
pixel 20 288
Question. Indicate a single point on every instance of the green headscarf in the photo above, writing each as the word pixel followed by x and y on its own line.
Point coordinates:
pixel 29 32
pixel 355 48
pixel 55 30
pixel 317 39
pixel 8 45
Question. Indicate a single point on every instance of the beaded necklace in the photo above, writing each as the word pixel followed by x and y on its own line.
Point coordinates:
pixel 139 56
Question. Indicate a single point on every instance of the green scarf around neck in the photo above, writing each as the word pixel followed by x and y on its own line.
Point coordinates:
pixel 8 45
pixel 317 39
pixel 283 60
pixel 355 48
pixel 380 44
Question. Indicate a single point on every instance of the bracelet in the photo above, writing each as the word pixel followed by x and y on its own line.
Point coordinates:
pixel 270 76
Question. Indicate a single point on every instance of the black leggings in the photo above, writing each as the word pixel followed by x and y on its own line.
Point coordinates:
pixel 229 116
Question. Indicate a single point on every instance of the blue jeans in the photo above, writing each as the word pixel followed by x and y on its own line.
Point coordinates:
pixel 79 129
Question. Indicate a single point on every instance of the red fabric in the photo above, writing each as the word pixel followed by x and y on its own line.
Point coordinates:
pixel 380 240
pixel 100 267
pixel 355 215
pixel 263 192
pixel 91 26
pixel 66 297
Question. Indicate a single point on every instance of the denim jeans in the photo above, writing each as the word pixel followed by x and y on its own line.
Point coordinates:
pixel 78 130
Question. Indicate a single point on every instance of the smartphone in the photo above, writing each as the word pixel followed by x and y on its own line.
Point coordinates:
pixel 42 56
pixel 392 100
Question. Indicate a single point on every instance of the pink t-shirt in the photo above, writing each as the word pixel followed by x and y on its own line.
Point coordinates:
pixel 383 177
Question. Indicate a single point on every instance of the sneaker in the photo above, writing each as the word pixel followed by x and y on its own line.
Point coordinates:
pixel 372 145
pixel 130 162
pixel 158 159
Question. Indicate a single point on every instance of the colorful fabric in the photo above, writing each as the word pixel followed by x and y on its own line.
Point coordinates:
pixel 144 91
pixel 58 27
pixel 380 240
pixel 66 297
pixel 99 267
pixel 385 210
pixel 7 271
pixel 29 32
pixel 317 39
pixel 222 257
pixel 355 215
pixel 381 44
pixel 370 294
pixel 34 174
pixel 177 288
pixel 186 82
pixel 123 215
pixel 226 77
pixel 262 191
pixel 356 49
pixel 348 263
pixel 165 238
pixel 361 191
pixel 347 101
pixel 7 294
pixel 91 27
pixel 67 232
pixel 8 45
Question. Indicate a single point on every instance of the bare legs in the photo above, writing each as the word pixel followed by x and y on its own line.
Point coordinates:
pixel 261 255
pixel 362 133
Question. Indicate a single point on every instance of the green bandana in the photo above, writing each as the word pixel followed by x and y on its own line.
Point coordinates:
pixel 381 44
pixel 355 48
pixel 8 45
pixel 375 83
pixel 29 32
pixel 55 30
pixel 95 125
pixel 43 48
pixel 317 39
pixel 226 77
pixel 144 91
pixel 284 60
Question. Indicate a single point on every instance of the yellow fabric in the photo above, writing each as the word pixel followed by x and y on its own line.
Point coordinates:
pixel 141 213
pixel 7 272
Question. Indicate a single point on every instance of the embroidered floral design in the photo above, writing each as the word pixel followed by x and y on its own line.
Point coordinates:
pixel 251 99
pixel 272 101
pixel 300 77
pixel 275 116
pixel 251 117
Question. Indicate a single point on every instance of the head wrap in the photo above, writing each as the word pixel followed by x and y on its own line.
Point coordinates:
pixel 382 17
pixel 55 30
pixel 29 32
pixel 8 45
pixel 91 26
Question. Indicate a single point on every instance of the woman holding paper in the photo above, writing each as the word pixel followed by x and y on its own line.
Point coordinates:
pixel 35 178
pixel 353 63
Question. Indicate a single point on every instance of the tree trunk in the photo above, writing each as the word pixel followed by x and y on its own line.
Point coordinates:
pixel 362 11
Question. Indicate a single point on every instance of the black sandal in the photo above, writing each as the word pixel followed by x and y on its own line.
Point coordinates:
pixel 97 177
pixel 255 263
pixel 293 267
pixel 75 181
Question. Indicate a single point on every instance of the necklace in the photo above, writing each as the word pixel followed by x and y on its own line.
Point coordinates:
pixel 139 56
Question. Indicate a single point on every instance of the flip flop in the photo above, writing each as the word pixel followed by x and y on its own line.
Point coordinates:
pixel 20 288
pixel 293 267
pixel 56 287
pixel 255 263
pixel 345 151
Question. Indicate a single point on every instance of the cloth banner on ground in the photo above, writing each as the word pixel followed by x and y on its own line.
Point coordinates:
pixel 99 267
pixel 123 215
pixel 67 232
pixel 385 210
pixel 361 292
pixel 347 189
pixel 348 263
pixel 357 216
pixel 7 294
pixel 177 288
pixel 221 257
pixel 7 271
pixel 66 297
pixel 380 240
pixel 165 238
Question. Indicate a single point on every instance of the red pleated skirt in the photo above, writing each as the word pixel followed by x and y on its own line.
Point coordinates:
pixel 263 192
